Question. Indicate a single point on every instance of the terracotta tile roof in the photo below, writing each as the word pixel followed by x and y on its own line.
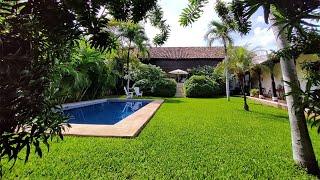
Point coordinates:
pixel 186 53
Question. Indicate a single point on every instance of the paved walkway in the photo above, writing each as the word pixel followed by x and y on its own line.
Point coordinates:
pixel 270 103
pixel 180 91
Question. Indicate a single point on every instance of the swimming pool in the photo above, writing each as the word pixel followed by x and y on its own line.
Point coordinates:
pixel 105 112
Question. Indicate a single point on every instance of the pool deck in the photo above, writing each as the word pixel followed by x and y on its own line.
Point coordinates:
pixel 129 127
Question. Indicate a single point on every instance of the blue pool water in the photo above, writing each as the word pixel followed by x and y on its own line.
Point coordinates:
pixel 108 112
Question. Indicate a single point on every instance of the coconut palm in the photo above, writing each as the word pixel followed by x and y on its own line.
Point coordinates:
pixel 292 17
pixel 287 18
pixel 221 31
pixel 240 62
pixel 132 37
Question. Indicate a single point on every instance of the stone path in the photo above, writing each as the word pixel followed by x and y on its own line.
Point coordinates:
pixel 180 90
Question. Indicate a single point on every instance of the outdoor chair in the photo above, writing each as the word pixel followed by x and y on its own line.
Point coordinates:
pixel 128 93
pixel 137 91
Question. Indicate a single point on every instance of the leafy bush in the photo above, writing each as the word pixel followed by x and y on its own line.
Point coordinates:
pixel 151 80
pixel 145 85
pixel 165 87
pixel 202 70
pixel 201 86
pixel 254 92
pixel 86 75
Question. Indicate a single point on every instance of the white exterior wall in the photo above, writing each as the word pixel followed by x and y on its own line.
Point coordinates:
pixel 266 77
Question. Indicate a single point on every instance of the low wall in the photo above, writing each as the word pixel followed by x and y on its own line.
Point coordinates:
pixel 269 103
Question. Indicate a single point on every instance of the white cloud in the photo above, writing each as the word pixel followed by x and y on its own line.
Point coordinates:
pixel 183 36
pixel 261 38
pixel 260 19
pixel 192 36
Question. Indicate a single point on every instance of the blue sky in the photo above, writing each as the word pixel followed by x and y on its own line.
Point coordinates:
pixel 260 35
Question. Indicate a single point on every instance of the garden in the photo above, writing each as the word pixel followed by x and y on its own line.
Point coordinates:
pixel 187 138
pixel 58 52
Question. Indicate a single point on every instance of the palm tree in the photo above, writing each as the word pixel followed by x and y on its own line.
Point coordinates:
pixel 132 37
pixel 240 62
pixel 270 63
pixel 221 31
pixel 292 18
pixel 257 70
pixel 287 18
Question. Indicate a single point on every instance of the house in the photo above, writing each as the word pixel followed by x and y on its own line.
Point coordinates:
pixel 184 58
pixel 266 81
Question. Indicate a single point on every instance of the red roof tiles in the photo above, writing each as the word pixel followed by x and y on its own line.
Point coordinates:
pixel 186 53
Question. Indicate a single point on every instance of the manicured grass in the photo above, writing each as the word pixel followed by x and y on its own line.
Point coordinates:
pixel 187 138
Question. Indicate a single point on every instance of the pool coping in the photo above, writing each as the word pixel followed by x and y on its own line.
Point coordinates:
pixel 130 126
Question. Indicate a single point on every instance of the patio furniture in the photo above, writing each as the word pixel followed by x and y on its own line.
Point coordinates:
pixel 137 91
pixel 128 93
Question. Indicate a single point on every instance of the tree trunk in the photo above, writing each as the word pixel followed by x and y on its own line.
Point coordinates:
pixel 273 85
pixel 260 84
pixel 245 105
pixel 226 72
pixel 302 149
pixel 128 58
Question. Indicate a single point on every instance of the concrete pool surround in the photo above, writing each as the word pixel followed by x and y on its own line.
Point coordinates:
pixel 128 127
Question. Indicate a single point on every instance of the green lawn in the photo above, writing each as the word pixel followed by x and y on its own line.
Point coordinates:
pixel 187 138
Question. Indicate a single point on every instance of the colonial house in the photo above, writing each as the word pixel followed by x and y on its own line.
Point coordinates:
pixel 266 79
pixel 186 58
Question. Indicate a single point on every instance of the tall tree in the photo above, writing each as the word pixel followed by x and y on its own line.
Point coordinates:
pixel 221 31
pixel 240 63
pixel 289 18
pixel 133 38
pixel 35 36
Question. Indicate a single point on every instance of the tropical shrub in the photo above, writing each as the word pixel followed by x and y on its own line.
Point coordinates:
pixel 202 70
pixel 86 75
pixel 201 86
pixel 145 85
pixel 254 92
pixel 165 87
pixel 147 76
pixel 214 74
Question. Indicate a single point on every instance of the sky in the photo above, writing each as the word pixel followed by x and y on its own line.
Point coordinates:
pixel 260 35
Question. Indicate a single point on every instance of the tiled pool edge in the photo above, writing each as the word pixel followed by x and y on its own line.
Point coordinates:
pixel 131 126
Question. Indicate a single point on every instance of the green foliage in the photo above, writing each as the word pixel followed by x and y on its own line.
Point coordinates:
pixel 36 41
pixel 202 71
pixel 185 139
pixel 212 74
pixel 165 87
pixel 219 31
pixel 87 75
pixel 310 97
pixel 201 86
pixel 147 71
pixel 156 19
pixel 254 92
pixel 291 15
pixel 240 62
pixel 146 86
pixel 147 77
pixel 193 12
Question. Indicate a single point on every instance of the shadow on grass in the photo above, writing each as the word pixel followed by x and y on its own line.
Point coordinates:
pixel 271 116
pixel 173 101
